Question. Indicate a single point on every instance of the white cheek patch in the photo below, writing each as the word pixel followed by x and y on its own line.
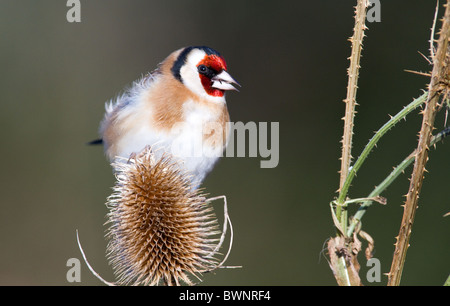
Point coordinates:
pixel 189 73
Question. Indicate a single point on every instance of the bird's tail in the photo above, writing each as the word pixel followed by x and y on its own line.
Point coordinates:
pixel 95 142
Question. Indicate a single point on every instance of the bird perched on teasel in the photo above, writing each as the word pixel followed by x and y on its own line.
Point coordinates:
pixel 179 108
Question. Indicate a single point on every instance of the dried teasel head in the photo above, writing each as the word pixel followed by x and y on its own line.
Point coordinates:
pixel 161 230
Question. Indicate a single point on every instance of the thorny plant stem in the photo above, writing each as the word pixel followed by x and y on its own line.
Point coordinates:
pixel 371 144
pixel 438 74
pixel 389 180
pixel 350 100
pixel 339 266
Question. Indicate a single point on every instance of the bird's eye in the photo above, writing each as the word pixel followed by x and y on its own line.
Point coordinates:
pixel 202 69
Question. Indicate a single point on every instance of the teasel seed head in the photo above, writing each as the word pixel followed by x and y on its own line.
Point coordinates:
pixel 161 229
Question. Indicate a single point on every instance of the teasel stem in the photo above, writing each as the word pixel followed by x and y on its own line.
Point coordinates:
pixel 352 86
pixel 439 79
pixel 374 140
pixel 338 263
pixel 389 180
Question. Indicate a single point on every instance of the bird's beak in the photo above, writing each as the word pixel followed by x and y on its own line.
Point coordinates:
pixel 224 81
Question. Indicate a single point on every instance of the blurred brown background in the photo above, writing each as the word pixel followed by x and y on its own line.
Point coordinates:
pixel 290 58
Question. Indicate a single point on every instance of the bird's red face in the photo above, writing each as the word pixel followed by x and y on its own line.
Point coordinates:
pixel 204 71
pixel 213 75
pixel 208 67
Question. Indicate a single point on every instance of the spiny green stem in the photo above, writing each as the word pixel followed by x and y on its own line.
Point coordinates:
pixel 389 180
pixel 341 206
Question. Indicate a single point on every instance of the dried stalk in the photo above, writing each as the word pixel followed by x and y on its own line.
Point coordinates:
pixel 352 86
pixel 343 261
pixel 438 77
pixel 350 100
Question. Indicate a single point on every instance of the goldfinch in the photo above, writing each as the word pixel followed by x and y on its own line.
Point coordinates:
pixel 179 108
